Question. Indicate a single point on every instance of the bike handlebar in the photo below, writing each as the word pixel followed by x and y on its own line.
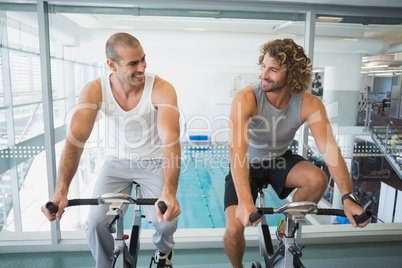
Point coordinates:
pixel 366 215
pixel 318 211
pixel 97 201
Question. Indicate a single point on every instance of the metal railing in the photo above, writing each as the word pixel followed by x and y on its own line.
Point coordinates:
pixel 388 138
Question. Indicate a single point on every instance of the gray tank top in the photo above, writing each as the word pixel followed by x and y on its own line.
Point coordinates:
pixel 272 130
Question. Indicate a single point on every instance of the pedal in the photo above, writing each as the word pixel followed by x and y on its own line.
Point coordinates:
pixel 153 261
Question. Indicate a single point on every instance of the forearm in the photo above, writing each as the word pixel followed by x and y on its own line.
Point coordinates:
pixel 240 173
pixel 171 168
pixel 341 176
pixel 339 172
pixel 68 166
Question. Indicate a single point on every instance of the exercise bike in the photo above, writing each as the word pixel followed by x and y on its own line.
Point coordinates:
pixel 288 254
pixel 123 256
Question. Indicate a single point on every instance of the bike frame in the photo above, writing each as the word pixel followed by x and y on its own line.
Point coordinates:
pixel 122 254
pixel 286 253
pixel 123 257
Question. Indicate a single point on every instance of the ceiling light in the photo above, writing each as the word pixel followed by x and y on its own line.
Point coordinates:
pixel 123 27
pixel 383 74
pixel 204 12
pixel 380 71
pixel 329 19
pixel 318 70
pixel 287 35
pixel 283 25
pixel 189 40
pixel 351 39
pixel 195 29
pixel 375 66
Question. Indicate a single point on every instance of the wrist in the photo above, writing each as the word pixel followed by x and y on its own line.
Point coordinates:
pixel 170 192
pixel 350 196
pixel 246 199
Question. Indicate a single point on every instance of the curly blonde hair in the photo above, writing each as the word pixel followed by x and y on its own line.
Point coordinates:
pixel 292 60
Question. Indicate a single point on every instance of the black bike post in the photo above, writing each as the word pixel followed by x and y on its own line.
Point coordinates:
pixel 135 230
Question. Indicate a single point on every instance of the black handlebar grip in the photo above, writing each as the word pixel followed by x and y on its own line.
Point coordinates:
pixel 72 202
pixel 83 202
pixel 146 201
pixel 338 212
pixel 255 216
pixel 330 211
pixel 52 207
pixel 162 206
pixel 366 215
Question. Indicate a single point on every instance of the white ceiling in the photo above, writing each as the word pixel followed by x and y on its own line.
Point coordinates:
pixel 81 21
pixel 211 19
pixel 226 22
pixel 206 17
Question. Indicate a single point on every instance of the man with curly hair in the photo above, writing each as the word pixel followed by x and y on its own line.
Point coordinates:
pixel 264 119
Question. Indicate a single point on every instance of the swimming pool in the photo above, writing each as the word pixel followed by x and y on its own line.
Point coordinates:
pixel 201 189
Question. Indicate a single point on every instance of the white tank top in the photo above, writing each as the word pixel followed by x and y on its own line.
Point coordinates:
pixel 131 135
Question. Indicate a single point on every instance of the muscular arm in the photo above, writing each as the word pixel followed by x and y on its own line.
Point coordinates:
pixel 243 107
pixel 165 100
pixel 321 130
pixel 80 129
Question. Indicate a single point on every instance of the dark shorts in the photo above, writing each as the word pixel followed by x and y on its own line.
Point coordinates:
pixel 273 172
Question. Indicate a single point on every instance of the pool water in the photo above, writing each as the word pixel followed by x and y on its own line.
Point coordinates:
pixel 201 189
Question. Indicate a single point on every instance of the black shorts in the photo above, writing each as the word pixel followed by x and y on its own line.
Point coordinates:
pixel 273 172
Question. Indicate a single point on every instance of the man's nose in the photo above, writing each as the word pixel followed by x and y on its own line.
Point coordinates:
pixel 141 66
pixel 264 73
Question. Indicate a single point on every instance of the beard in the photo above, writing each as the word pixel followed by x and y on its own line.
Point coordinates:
pixel 273 86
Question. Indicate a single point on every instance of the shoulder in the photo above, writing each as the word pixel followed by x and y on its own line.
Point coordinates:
pixel 162 84
pixel 92 92
pixel 245 101
pixel 311 106
pixel 245 95
pixel 95 83
pixel 309 100
pixel 163 92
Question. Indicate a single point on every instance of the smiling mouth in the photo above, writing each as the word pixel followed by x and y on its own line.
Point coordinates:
pixel 268 81
pixel 138 76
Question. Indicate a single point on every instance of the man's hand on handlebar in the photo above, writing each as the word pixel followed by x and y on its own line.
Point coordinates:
pixel 61 202
pixel 243 212
pixel 173 208
pixel 351 209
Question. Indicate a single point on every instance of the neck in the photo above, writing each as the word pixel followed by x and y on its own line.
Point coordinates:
pixel 124 89
pixel 279 99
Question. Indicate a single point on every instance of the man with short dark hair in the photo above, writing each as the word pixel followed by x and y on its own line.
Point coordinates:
pixel 143 146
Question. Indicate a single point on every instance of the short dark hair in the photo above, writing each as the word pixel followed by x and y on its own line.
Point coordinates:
pixel 119 39
pixel 292 59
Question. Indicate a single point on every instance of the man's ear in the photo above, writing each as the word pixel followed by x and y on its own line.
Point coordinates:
pixel 112 64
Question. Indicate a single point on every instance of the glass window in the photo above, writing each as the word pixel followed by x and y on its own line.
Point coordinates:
pixel 3 131
pixel 22 158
